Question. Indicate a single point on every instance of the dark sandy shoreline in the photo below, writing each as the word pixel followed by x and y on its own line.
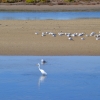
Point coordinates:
pixel 50 8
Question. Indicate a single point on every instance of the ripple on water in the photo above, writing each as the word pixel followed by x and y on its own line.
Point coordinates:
pixel 69 77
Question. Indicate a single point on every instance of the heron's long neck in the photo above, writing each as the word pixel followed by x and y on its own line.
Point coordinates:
pixel 39 66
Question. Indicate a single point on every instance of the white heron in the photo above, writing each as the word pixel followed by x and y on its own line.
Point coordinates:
pixel 41 70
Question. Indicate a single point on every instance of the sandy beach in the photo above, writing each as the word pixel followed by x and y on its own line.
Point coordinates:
pixel 9 7
pixel 17 37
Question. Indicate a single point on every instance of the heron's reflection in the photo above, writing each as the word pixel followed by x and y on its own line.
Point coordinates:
pixel 41 80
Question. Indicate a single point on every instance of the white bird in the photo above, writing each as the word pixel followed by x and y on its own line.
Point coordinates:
pixel 65 33
pixel 80 34
pixel 70 38
pixel 86 35
pixel 43 34
pixel 54 35
pixel 92 33
pixel 43 61
pixel 46 32
pixel 82 38
pixel 36 33
pixel 41 70
pixel 73 35
pixel 97 38
pixel 68 35
pixel 59 34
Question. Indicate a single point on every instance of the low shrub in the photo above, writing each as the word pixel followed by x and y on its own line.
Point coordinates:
pixel 11 1
pixel 30 1
pixel 68 0
pixel 43 0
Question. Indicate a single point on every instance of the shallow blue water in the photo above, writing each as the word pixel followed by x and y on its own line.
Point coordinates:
pixel 47 15
pixel 69 78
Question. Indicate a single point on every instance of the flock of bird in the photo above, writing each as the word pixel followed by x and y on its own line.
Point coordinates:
pixel 71 35
pixel 41 70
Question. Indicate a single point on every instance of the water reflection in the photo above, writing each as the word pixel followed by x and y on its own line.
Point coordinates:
pixel 80 80
pixel 41 80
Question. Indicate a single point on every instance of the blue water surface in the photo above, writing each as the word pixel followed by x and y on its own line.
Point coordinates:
pixel 69 78
pixel 47 15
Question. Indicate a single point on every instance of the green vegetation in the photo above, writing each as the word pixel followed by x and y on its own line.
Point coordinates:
pixel 11 1
pixel 30 1
pixel 42 0
pixel 68 0
pixel 45 1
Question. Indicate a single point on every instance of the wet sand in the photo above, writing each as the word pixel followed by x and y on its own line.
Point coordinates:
pixel 17 37
pixel 9 7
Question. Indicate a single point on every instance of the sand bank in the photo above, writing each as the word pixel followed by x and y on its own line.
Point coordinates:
pixel 17 37
pixel 49 8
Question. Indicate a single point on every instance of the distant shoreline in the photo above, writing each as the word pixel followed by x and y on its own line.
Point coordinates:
pixel 49 8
